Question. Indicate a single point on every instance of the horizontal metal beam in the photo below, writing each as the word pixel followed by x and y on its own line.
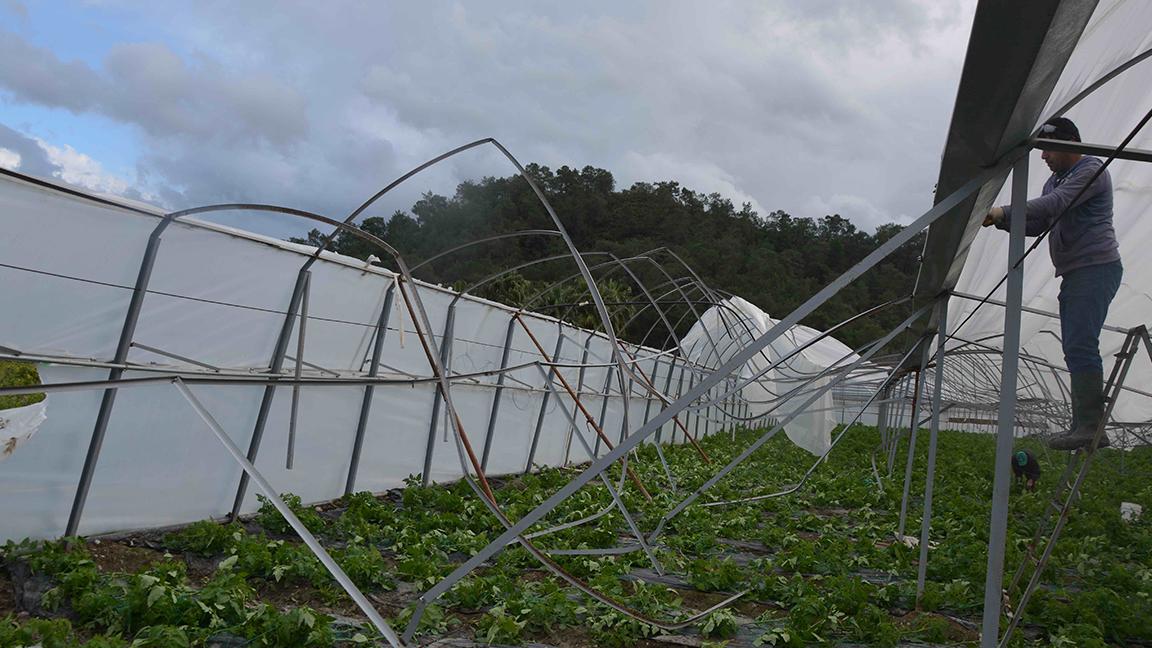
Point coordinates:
pixel 1029 309
pixel 167 354
pixel 1099 150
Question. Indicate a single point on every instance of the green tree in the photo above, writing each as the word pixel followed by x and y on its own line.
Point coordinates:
pixel 775 261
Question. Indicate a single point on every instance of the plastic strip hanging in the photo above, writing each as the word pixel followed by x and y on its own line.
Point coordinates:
pixel 399 311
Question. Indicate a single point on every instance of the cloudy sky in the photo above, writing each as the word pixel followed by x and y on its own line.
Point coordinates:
pixel 811 106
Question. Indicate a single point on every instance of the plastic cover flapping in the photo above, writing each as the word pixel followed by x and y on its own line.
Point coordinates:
pixel 18 424
pixel 779 387
pixel 1117 32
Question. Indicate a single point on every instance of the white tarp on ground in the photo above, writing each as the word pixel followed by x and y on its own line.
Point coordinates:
pixel 217 296
pixel 18 424
pixel 724 330
pixel 1118 31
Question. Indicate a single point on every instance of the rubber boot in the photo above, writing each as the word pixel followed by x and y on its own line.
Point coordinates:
pixel 1092 410
pixel 1087 412
pixel 1074 395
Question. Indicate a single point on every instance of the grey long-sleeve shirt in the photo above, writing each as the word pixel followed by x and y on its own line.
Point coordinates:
pixel 1085 236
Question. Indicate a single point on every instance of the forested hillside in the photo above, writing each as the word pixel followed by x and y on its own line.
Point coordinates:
pixel 775 261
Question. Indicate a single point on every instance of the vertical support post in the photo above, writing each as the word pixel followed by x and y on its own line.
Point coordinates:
pixel 730 410
pixel 998 525
pixel 604 407
pixel 270 391
pixel 123 346
pixel 738 406
pixel 498 392
pixel 679 392
pixel 544 400
pixel 648 397
pixel 301 332
pixel 744 423
pixel 913 428
pixel 737 411
pixel 933 433
pixel 437 399
pixel 708 412
pixel 891 411
pixel 696 425
pixel 882 415
pixel 625 398
pixel 722 408
pixel 897 425
pixel 579 388
pixel 366 404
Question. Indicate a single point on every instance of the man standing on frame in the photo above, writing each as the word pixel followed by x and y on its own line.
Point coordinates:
pixel 1084 251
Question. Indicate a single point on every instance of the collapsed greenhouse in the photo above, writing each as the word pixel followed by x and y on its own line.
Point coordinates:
pixel 195 371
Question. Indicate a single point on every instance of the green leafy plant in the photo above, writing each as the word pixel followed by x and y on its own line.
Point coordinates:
pixel 720 624
pixel 365 566
pixel 497 626
pixel 161 636
pixel 614 630
pixel 302 626
pixel 825 543
pixel 19 374
pixel 712 575
pixel 434 621
pixel 272 521
pixel 47 633
pixel 205 538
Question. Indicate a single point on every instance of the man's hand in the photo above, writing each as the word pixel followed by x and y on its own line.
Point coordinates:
pixel 994 217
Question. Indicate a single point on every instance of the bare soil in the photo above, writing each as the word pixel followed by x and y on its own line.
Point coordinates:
pixel 122 556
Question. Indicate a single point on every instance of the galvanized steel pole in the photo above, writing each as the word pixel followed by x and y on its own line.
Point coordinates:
pixel 438 397
pixel 270 391
pixel 544 401
pixel 366 404
pixel 302 331
pixel 933 432
pixel 109 399
pixel 679 392
pixel 604 408
pixel 498 392
pixel 998 525
pixel 648 395
pixel 579 388
pixel 913 428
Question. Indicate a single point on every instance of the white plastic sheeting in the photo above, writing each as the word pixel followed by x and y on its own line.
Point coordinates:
pixel 217 296
pixel 1117 32
pixel 18 424
pixel 723 330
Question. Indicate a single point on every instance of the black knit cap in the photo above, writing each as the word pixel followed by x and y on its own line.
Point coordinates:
pixel 1060 128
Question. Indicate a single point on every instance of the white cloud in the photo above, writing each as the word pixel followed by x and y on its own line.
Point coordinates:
pixel 9 159
pixel 78 169
pixel 811 106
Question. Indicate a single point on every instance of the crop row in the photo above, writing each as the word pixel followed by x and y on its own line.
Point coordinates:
pixel 820 565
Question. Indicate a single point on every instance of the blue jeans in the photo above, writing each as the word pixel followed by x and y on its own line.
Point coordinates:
pixel 1085 294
